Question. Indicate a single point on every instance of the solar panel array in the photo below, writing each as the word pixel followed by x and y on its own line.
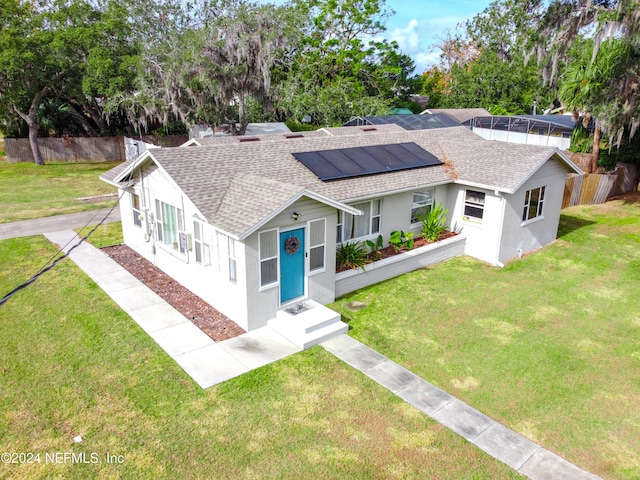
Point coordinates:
pixel 359 161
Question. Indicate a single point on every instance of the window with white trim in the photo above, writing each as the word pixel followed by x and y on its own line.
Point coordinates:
pixel 422 204
pixel 268 246
pixel 533 204
pixel 317 244
pixel 169 225
pixel 473 205
pixel 201 247
pixel 352 227
pixel 233 276
pixel 136 211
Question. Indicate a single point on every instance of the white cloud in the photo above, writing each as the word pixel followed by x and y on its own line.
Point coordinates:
pixel 408 38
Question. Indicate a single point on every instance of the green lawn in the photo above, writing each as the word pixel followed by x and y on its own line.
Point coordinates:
pixel 74 364
pixel 549 345
pixel 31 191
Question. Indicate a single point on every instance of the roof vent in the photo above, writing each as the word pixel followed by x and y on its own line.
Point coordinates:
pixel 294 135
pixel 369 129
pixel 248 139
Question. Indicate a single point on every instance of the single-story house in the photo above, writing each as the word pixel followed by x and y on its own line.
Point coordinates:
pixel 252 227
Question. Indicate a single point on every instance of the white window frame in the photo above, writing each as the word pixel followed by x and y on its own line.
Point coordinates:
pixel 160 227
pixel 539 207
pixel 136 209
pixel 201 244
pixel 344 216
pixel 471 204
pixel 233 266
pixel 275 257
pixel 415 206
pixel 313 247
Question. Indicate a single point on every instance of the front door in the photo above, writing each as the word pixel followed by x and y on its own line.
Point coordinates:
pixel 291 264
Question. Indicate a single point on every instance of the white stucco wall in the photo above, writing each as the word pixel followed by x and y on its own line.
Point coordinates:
pixel 262 303
pixel 210 282
pixel 524 138
pixel 482 236
pixel 396 212
pixel 519 237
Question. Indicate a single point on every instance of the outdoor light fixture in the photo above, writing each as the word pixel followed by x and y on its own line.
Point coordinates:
pixel 295 215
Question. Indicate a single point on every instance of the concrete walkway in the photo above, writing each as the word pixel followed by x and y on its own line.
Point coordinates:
pixel 210 363
pixel 204 360
pixel 521 454
pixel 26 228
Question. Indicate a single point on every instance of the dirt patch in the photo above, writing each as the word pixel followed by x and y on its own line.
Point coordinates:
pixel 627 197
pixel 204 316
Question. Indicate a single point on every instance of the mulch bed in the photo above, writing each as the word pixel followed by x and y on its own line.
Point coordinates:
pixel 204 316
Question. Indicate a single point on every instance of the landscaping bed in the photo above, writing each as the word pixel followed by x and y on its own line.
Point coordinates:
pixel 216 325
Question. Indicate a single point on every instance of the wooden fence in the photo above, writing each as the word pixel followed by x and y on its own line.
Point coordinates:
pixel 592 188
pixel 80 149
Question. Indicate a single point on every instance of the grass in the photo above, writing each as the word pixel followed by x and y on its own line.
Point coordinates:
pixel 106 235
pixel 549 345
pixel 74 364
pixel 30 191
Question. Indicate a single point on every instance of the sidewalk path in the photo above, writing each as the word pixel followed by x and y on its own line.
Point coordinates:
pixel 204 360
pixel 521 454
pixel 26 228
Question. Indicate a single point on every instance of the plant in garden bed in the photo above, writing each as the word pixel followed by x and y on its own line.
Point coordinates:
pixel 400 238
pixel 351 255
pixel 375 248
pixel 434 223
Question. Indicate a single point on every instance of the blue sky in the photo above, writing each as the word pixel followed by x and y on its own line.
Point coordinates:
pixel 419 24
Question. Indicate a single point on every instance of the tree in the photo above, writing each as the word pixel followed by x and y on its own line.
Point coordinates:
pixel 44 49
pixel 28 65
pixel 335 73
pixel 618 103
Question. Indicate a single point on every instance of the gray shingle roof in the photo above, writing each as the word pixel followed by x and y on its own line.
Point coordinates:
pixel 236 185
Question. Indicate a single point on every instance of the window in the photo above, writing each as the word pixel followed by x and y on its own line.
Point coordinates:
pixel 356 226
pixel 201 246
pixel 268 244
pixel 533 203
pixel 169 224
pixel 136 210
pixel 232 260
pixel 473 205
pixel 422 204
pixel 316 244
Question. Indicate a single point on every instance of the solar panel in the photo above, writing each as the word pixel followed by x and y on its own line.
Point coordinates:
pixel 359 161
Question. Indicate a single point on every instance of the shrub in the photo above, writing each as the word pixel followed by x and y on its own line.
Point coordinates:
pixel 399 238
pixel 351 255
pixel 434 223
pixel 375 247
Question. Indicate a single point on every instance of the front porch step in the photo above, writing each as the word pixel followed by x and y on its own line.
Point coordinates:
pixel 309 327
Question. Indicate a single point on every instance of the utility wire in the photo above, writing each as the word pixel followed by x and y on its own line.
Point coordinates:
pixel 51 262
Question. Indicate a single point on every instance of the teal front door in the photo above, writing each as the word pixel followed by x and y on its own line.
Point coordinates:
pixel 291 264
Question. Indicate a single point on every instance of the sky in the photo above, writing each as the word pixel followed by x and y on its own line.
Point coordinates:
pixel 419 24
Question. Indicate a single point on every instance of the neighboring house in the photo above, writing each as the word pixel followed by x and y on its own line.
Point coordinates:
pixel 548 130
pixel 252 227
pixel 265 128
pixel 460 115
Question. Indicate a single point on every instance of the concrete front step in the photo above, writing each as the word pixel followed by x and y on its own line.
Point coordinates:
pixel 314 324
